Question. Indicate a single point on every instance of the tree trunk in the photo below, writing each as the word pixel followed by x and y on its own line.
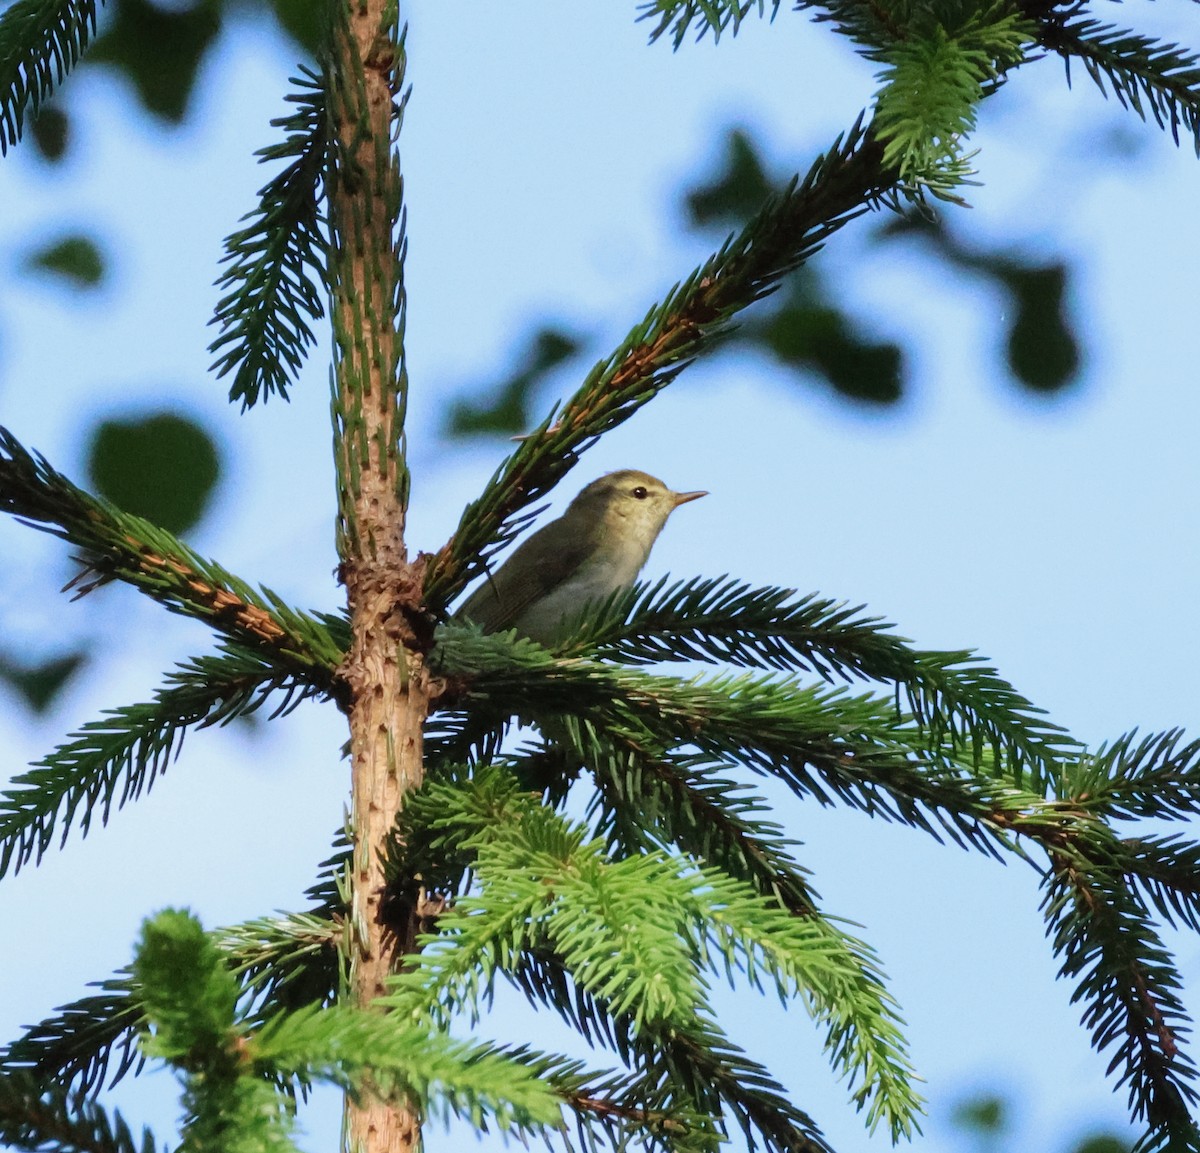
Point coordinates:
pixel 387 687
pixel 389 704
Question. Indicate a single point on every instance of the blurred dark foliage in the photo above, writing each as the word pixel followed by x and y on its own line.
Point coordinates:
pixel 159 50
pixel 735 194
pixel 38 683
pixel 505 408
pixel 51 132
pixel 302 20
pixel 984 1116
pixel 805 326
pixel 75 259
pixel 1042 351
pixel 987 1120
pixel 804 330
pixel 163 467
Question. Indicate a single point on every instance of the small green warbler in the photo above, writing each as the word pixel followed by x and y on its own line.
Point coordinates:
pixel 595 548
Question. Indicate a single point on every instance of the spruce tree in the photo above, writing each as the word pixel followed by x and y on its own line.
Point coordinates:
pixel 460 864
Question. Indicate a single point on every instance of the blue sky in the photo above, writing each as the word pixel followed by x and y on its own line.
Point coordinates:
pixel 543 150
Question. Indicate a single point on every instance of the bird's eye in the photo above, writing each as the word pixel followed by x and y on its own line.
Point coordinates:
pixel 641 492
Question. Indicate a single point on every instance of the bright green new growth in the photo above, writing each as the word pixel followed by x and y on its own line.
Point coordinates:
pixel 233 1073
pixel 542 888
pixel 190 999
pixel 942 57
pixel 932 87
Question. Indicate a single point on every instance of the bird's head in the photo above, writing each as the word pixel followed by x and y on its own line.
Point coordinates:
pixel 628 504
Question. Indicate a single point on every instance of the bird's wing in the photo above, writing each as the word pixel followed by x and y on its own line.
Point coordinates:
pixel 498 603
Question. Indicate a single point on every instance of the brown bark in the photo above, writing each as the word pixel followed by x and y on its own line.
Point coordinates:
pixel 390 695
pixel 386 686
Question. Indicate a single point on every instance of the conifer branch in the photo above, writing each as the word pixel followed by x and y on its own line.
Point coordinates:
pixel 538 880
pixel 88 1044
pixel 696 1066
pixel 863 1037
pixel 635 932
pixel 327 894
pixel 40 42
pixel 190 999
pixel 937 73
pixel 1157 776
pixel 715 16
pixel 704 815
pixel 714 1072
pixel 714 819
pixel 612 1106
pixel 275 270
pixel 1144 73
pixel 285 961
pixel 1167 871
pixel 1105 936
pixel 1107 942
pixel 953 695
pixel 38 1115
pixel 280 962
pixel 289 963
pixel 454 737
pixel 939 62
pixel 120 546
pixel 356 1049
pixel 684 802
pixel 821 743
pixel 841 185
pixel 441 983
pixel 608 1111
pixel 112 761
pixel 191 995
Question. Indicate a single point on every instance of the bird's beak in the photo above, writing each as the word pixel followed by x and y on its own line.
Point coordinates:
pixel 684 497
